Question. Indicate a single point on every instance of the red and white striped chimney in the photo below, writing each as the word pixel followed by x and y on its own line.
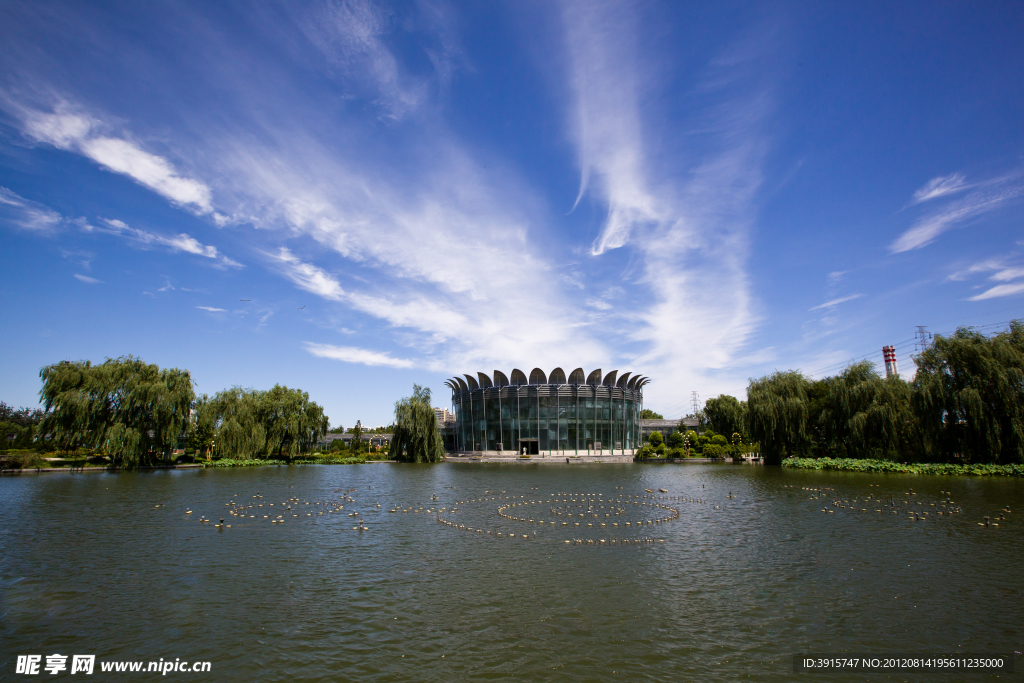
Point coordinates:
pixel 889 354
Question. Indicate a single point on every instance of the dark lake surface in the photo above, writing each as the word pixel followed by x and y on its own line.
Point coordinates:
pixel 731 589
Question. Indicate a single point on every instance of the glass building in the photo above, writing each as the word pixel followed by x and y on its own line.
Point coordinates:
pixel 548 414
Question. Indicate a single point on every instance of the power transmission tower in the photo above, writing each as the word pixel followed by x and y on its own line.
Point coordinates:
pixel 923 337
pixel 695 401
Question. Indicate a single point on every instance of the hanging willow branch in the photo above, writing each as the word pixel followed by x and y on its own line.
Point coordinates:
pixel 416 437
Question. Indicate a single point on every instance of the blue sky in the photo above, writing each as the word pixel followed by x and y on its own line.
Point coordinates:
pixel 350 197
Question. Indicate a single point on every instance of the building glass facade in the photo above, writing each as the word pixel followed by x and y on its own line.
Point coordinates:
pixel 555 416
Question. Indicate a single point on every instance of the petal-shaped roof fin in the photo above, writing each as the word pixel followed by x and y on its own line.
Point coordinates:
pixel 500 380
pixel 472 382
pixel 485 381
pixel 577 377
pixel 557 376
pixel 462 383
pixel 631 384
pixel 621 384
pixel 594 378
pixel 537 376
pixel 609 379
pixel 451 384
pixel 518 378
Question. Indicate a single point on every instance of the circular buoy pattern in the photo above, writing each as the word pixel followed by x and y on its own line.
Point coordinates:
pixel 592 519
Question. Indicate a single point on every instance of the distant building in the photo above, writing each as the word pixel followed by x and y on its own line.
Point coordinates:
pixel 443 417
pixel 550 415
pixel 666 427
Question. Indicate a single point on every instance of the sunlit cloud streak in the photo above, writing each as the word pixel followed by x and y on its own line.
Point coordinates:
pixel 351 354
pixel 989 197
pixel 27 215
pixel 182 242
pixel 835 302
pixel 939 187
pixel 80 133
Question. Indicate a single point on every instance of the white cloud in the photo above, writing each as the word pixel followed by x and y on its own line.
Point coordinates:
pixel 86 279
pixel 211 309
pixel 308 277
pixel 835 302
pixel 1008 274
pixel 79 133
pixel 26 214
pixel 939 187
pixel 351 354
pixel 182 242
pixel 1000 290
pixel 995 195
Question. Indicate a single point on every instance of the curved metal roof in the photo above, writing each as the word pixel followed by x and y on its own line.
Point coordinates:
pixel 517 378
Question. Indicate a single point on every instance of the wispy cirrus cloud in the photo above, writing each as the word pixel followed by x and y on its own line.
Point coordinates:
pixel 989 196
pixel 999 291
pixel 26 214
pixel 940 187
pixel 182 242
pixel 87 280
pixel 685 214
pixel 352 354
pixel 212 309
pixel 80 133
pixel 835 302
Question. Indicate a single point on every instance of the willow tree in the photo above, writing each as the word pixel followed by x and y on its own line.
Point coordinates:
pixel 248 423
pixel 777 414
pixel 725 414
pixel 864 415
pixel 130 409
pixel 969 396
pixel 416 436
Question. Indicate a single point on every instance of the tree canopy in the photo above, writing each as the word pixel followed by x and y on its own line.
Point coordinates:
pixel 129 408
pixel 725 414
pixel 416 436
pixel 648 414
pixel 249 423
pixel 965 404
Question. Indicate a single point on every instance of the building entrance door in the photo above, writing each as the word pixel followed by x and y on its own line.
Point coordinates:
pixel 531 446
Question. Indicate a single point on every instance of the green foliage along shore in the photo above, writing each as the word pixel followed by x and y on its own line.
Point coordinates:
pixel 965 406
pixel 128 408
pixel 416 437
pixel 871 465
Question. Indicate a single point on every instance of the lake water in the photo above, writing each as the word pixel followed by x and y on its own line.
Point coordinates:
pixel 730 589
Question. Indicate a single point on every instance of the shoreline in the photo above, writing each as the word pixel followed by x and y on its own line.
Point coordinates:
pixel 886 466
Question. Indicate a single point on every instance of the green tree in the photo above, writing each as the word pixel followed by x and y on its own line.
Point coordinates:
pixel 968 396
pixel 675 439
pixel 131 409
pixel 416 437
pixel 725 414
pixel 656 439
pixel 777 414
pixel 648 414
pixel 863 415
pixel 280 422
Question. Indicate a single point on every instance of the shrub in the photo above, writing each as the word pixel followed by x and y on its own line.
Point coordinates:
pixel 719 440
pixel 645 452
pixel 708 433
pixel 675 439
pixel 713 450
pixel 660 450
pixel 656 439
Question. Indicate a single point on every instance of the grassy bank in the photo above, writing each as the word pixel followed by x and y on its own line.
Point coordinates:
pixel 853 465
